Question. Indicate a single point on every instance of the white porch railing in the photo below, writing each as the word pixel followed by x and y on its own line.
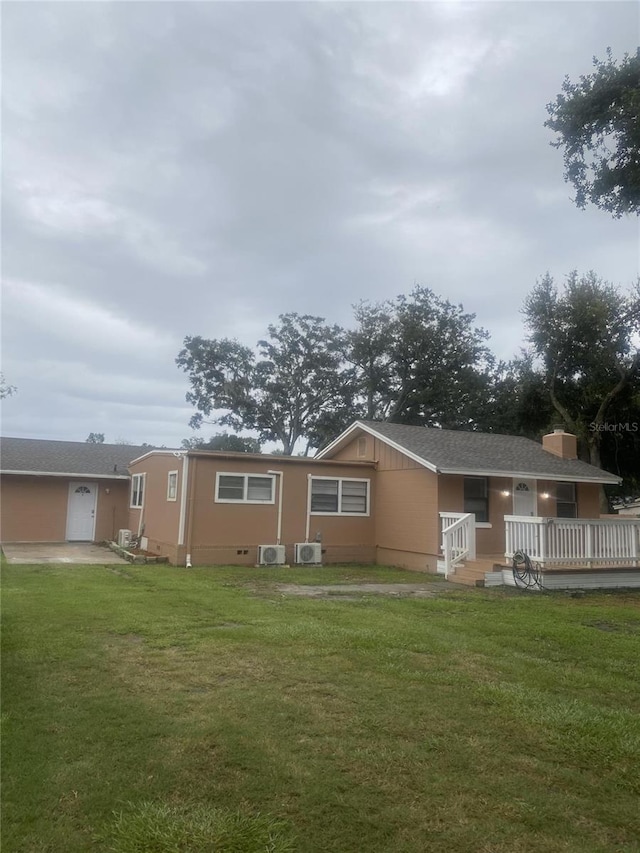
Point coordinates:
pixel 458 538
pixel 590 542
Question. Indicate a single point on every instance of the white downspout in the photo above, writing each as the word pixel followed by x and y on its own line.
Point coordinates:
pixel 183 498
pixel 308 525
pixel 280 476
pixel 144 500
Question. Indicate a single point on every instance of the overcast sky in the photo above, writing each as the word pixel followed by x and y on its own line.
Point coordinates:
pixel 175 169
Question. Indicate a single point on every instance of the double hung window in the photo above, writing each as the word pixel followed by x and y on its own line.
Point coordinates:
pixel 566 504
pixel 341 496
pixel 172 486
pixel 137 491
pixel 476 497
pixel 244 488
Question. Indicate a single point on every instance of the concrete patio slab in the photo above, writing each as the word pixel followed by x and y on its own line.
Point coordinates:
pixel 24 553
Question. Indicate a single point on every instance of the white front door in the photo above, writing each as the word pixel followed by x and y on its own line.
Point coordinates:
pixel 524 497
pixel 81 511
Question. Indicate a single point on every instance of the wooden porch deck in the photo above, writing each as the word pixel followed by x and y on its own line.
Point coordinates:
pixel 474 573
pixel 565 553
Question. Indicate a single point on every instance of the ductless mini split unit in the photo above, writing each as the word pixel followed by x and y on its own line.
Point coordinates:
pixel 124 538
pixel 271 555
pixel 308 553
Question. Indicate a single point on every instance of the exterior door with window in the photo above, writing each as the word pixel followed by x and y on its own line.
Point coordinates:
pixel 524 497
pixel 81 512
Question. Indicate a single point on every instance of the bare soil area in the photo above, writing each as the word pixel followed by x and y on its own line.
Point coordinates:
pixel 353 590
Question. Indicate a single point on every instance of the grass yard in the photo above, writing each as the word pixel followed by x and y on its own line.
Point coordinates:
pixel 162 710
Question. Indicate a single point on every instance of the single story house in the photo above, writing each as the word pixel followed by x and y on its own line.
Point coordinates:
pixel 461 503
pixel 57 491
pixel 454 502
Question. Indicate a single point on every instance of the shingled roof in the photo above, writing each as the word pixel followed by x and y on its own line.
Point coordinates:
pixel 59 458
pixel 460 452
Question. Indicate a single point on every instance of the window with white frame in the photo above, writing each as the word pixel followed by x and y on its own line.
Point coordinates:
pixel 172 486
pixel 244 488
pixel 566 504
pixel 137 490
pixel 476 497
pixel 340 496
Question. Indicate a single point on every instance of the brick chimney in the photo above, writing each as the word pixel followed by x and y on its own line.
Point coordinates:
pixel 561 443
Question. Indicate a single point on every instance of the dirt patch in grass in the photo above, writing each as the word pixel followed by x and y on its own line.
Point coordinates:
pixel 354 590
pixel 616 627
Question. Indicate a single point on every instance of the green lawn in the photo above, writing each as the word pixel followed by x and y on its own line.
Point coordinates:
pixel 161 710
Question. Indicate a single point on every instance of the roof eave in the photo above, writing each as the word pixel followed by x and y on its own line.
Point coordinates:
pixel 607 479
pixel 85 476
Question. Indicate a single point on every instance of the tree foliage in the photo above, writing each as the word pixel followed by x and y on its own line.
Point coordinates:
pixel 95 438
pixel 419 359
pixel 586 337
pixel 6 390
pixel 517 401
pixel 296 382
pixel 224 441
pixel 597 121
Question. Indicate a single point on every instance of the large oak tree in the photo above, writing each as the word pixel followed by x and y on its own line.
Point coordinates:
pixel 586 337
pixel 420 359
pixel 287 391
pixel 597 121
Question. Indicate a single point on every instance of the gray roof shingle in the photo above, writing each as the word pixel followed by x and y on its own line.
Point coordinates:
pixel 462 452
pixel 34 455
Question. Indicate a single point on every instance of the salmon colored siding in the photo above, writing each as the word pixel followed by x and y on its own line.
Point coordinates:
pixel 489 540
pixel 223 532
pixel 492 540
pixel 407 512
pixel 159 518
pixel 588 496
pixel 406 523
pixel 547 506
pixel 111 511
pixel 217 533
pixel 390 459
pixel 361 449
pixel 34 509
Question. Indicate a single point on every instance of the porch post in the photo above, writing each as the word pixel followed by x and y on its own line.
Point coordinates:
pixel 471 537
pixel 589 544
pixel 543 539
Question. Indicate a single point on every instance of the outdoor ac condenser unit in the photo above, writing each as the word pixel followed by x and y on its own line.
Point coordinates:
pixel 309 553
pixel 271 555
pixel 124 538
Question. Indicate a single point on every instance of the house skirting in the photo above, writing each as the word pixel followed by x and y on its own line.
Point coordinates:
pixel 573 579
pixel 415 561
pixel 244 554
pixel 174 553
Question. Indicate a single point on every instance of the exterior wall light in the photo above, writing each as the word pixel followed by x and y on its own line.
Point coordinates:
pixel 505 493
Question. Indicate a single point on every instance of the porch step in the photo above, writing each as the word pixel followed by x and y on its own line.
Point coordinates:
pixel 472 572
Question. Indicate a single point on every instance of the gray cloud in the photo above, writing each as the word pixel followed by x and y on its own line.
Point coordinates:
pixel 190 168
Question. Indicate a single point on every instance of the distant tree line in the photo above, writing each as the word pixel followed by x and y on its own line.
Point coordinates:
pixel 420 359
